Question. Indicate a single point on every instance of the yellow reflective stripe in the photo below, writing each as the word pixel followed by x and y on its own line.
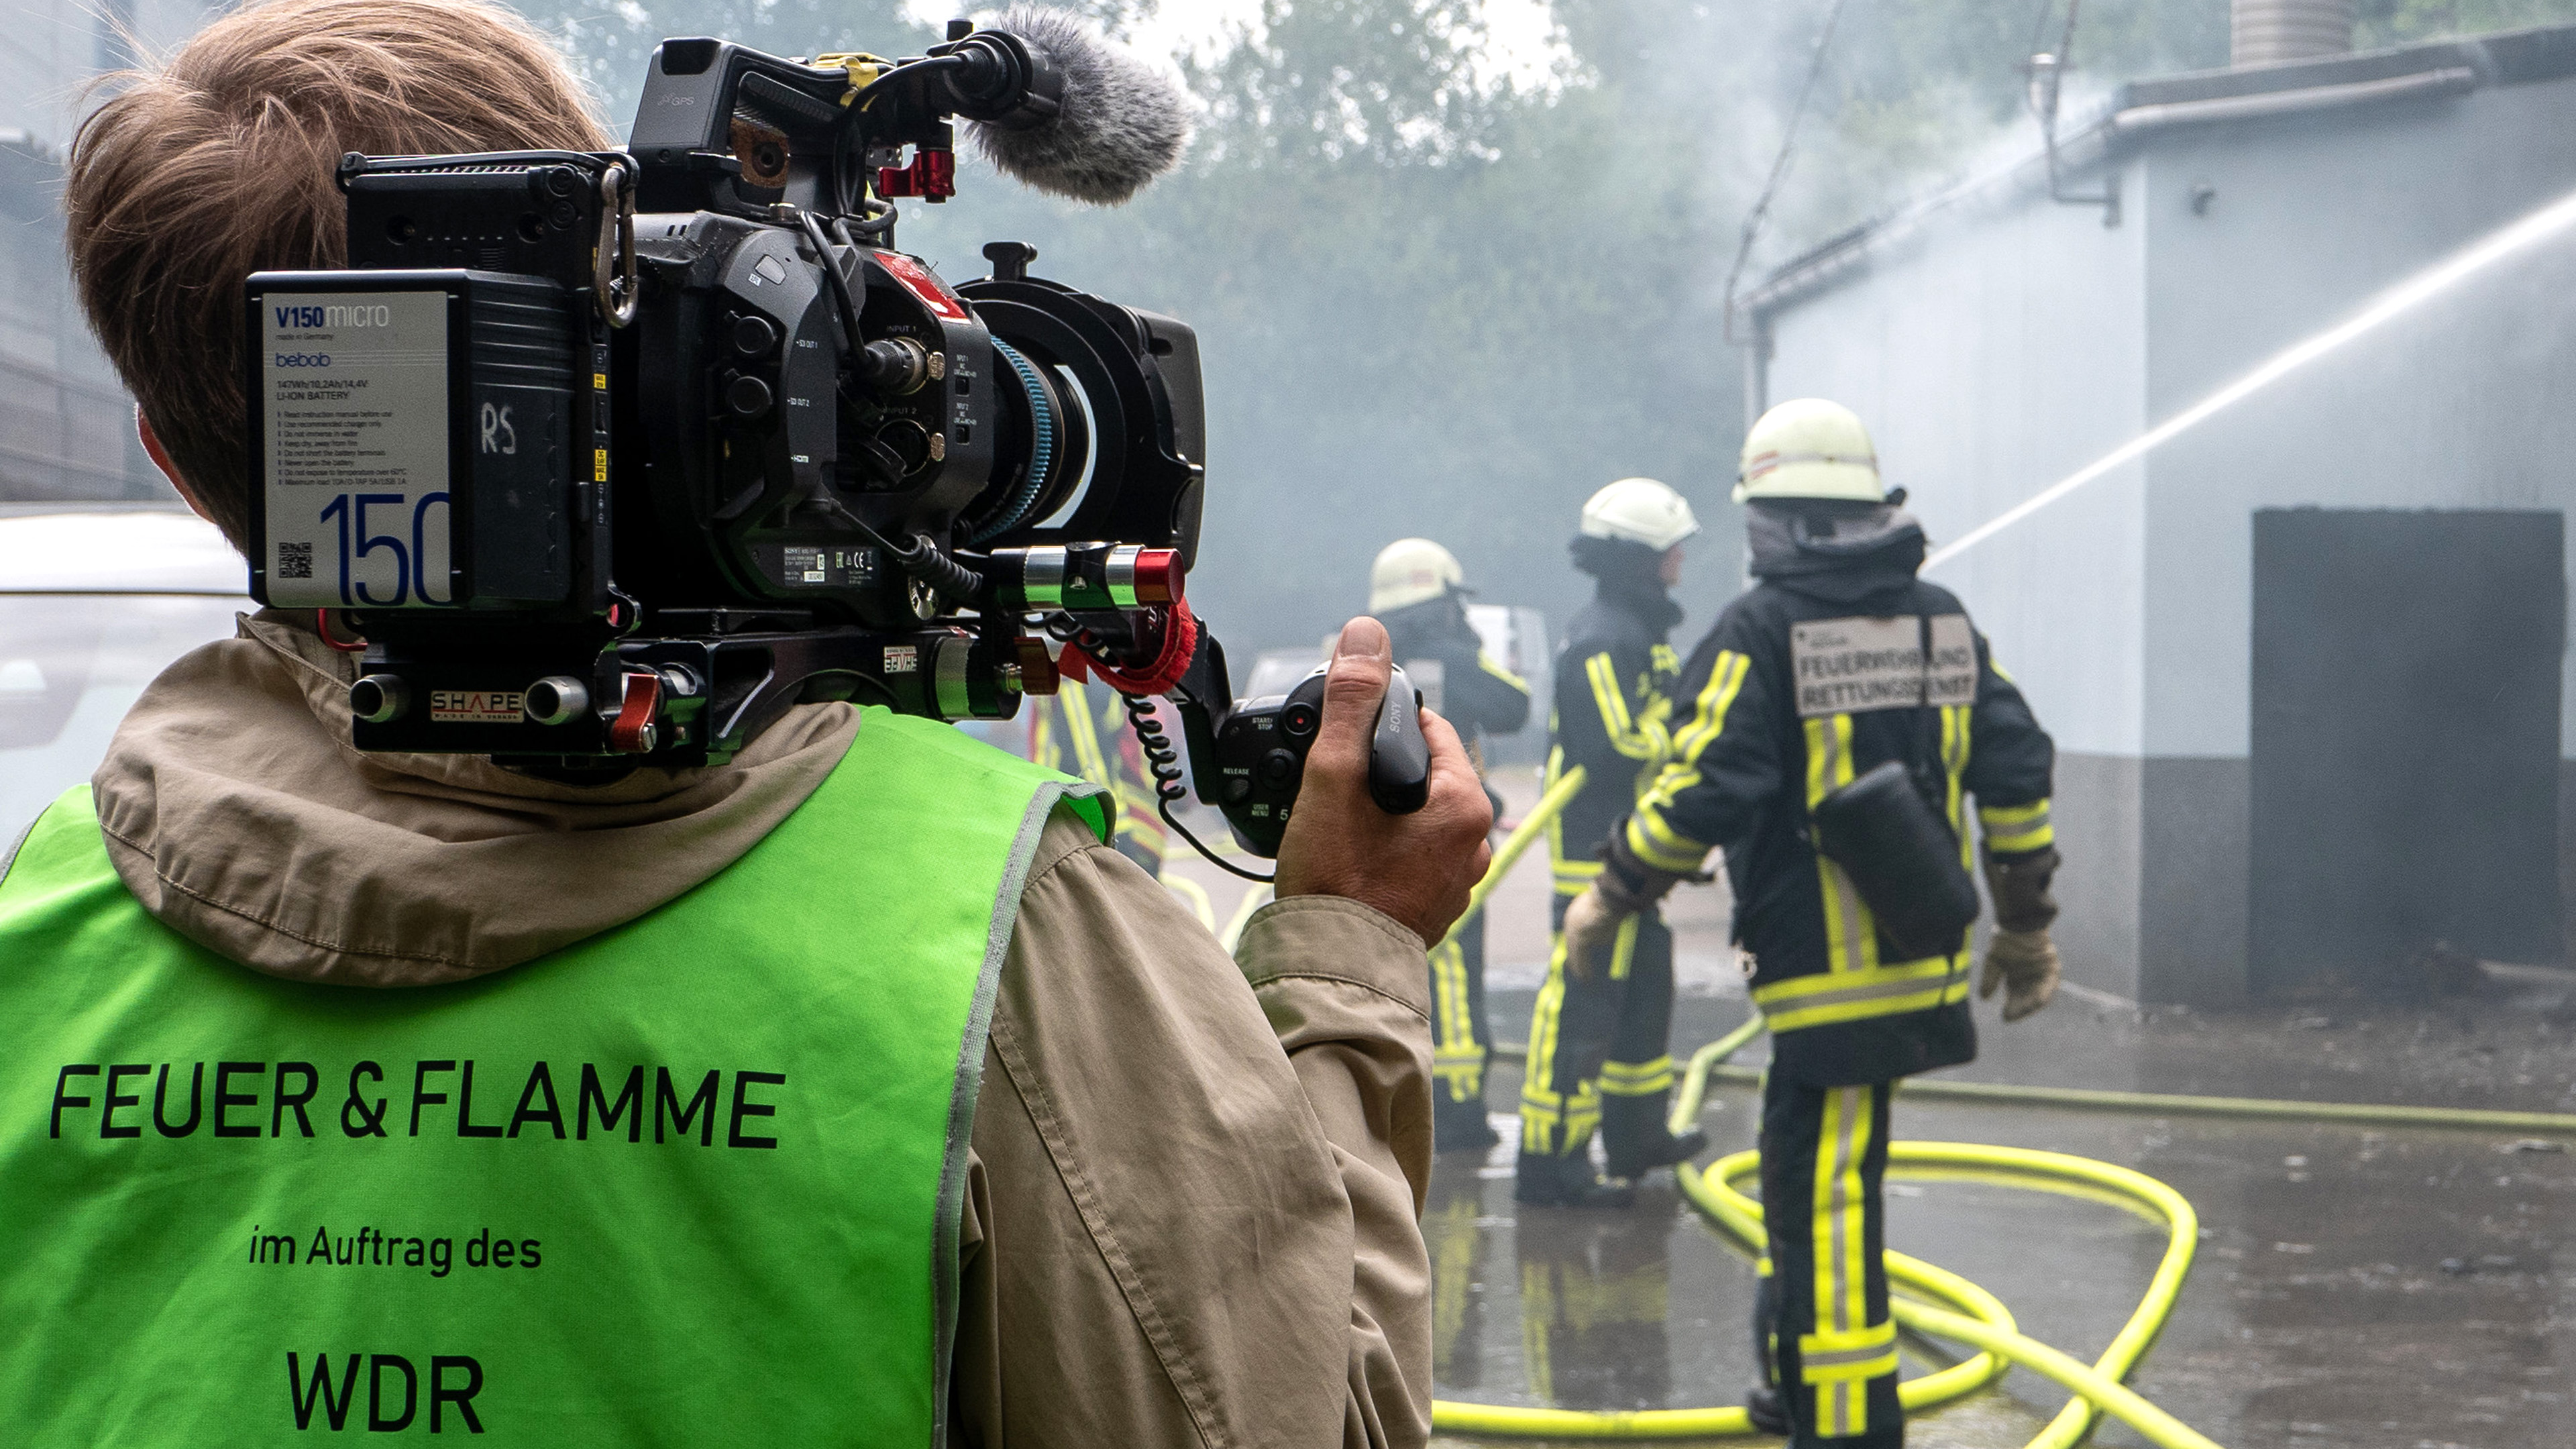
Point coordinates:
pixel 1556 822
pixel 1636 1079
pixel 1851 936
pixel 1551 1122
pixel 1608 699
pixel 1458 1058
pixel 1839 986
pixel 1829 1357
pixel 1955 740
pixel 1708 713
pixel 1837 1243
pixel 2045 835
pixel 1659 845
pixel 1626 736
pixel 1818 729
pixel 1827 998
pixel 1623 952
pixel 2017 827
pixel 1485 662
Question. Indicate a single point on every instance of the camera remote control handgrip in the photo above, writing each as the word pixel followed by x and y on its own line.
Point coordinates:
pixel 1261 757
pixel 1399 757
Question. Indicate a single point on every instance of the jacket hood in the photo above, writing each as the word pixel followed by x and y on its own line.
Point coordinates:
pixel 1630 578
pixel 1841 555
pixel 239 814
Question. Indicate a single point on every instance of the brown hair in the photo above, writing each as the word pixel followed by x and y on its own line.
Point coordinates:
pixel 219 162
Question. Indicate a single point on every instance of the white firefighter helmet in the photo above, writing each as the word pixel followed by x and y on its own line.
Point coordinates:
pixel 1809 448
pixel 1639 510
pixel 1412 571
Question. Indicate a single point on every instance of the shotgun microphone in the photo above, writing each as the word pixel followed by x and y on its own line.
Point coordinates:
pixel 1119 124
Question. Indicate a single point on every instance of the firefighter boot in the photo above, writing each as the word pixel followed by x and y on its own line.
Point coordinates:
pixel 1764 1411
pixel 1634 1139
pixel 1548 1180
pixel 1460 1126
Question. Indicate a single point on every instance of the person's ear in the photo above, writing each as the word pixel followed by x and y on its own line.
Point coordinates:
pixel 161 459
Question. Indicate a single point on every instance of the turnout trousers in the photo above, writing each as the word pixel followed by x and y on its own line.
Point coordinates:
pixel 1820 1323
pixel 1460 1039
pixel 1599 1055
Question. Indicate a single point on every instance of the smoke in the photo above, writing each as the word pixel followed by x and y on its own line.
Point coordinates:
pixel 1455 264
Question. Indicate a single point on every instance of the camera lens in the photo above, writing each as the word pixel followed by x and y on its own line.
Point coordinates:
pixel 1298 719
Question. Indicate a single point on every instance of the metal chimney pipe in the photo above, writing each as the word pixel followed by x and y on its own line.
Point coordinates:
pixel 2264 31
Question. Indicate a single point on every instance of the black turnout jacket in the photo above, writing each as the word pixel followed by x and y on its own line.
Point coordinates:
pixel 1611 716
pixel 1477 696
pixel 1809 679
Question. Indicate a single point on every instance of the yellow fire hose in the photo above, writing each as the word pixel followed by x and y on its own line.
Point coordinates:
pixel 1508 854
pixel 1979 1319
pixel 1971 1315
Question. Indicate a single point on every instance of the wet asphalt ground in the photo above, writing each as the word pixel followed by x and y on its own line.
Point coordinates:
pixel 2355 1286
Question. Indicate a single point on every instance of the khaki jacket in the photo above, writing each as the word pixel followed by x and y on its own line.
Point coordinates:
pixel 1192 1199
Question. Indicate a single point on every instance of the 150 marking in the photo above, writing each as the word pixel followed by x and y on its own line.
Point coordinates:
pixel 411 564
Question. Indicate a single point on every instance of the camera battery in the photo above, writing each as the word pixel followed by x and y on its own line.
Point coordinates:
pixel 411 433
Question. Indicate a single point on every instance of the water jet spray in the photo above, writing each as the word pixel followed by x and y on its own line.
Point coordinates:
pixel 2509 240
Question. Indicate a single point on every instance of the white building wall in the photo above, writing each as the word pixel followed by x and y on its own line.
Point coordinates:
pixel 1994 353
pixel 1991 358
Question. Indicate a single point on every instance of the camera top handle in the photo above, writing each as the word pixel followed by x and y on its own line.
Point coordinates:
pixel 728 129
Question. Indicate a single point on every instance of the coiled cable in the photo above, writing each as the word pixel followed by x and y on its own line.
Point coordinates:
pixel 1164 763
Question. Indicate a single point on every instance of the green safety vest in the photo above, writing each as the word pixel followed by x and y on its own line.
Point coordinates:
pixel 695 1181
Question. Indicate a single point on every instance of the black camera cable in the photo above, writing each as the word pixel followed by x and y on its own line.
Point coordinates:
pixel 842 305
pixel 923 559
pixel 1164 763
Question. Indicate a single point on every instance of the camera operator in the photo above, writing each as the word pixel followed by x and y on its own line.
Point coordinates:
pixel 1189 1211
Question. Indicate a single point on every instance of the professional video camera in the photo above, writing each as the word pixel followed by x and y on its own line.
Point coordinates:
pixel 611 457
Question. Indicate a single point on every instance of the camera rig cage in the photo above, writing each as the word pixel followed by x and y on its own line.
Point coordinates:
pixel 612 457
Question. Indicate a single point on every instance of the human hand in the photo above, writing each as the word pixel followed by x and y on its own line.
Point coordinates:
pixel 1417 868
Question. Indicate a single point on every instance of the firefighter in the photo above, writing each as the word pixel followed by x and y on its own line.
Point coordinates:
pixel 1839 660
pixel 1597 1050
pixel 1417 590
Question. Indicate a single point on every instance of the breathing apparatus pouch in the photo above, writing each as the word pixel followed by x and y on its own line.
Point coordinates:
pixel 1902 858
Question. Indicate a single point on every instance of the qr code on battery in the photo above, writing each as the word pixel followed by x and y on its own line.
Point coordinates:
pixel 295 560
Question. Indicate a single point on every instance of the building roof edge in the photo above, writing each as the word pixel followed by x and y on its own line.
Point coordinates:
pixel 2142 108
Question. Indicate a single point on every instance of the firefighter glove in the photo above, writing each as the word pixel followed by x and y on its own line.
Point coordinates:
pixel 2024 964
pixel 1591 932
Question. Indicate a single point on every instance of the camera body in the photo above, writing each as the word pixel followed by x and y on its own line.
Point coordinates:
pixel 612 457
pixel 673 437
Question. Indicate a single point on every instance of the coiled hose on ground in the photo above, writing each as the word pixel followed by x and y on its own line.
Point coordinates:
pixel 1934 1301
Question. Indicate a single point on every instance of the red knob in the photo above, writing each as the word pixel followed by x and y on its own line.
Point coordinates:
pixel 1158 575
